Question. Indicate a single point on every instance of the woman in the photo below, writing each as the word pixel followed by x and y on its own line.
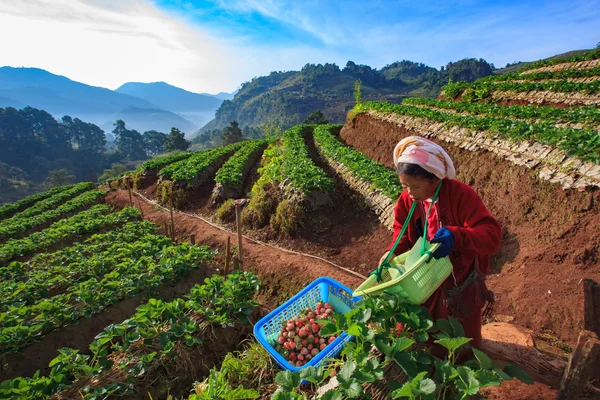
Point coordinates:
pixel 457 220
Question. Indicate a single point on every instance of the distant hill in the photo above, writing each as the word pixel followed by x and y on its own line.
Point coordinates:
pixel 58 95
pixel 514 67
pixel 288 97
pixel 145 119
pixel 221 95
pixel 170 97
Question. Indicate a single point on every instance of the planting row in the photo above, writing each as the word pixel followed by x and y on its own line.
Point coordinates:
pixel 357 163
pixel 20 223
pixel 159 163
pixel 232 172
pixel 54 201
pixel 9 209
pixel 131 269
pixel 65 230
pixel 539 76
pixel 455 89
pixel 589 56
pixel 193 167
pixel 584 144
pixel 48 274
pixel 586 115
pixel 154 340
pixel 297 168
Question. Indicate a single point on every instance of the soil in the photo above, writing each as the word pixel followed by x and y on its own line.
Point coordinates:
pixel 78 336
pixel 550 236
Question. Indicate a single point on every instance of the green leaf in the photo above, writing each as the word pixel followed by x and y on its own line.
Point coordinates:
pixel 402 343
pixel 405 391
pixel 288 380
pixel 467 382
pixel 329 330
pixel 332 395
pixel 484 359
pixel 516 372
pixel 444 326
pixel 503 375
pixel 457 328
pixel 346 372
pixel 453 344
pixel 427 386
pixel 487 378
pixel 353 390
pixel 406 362
pixel 354 330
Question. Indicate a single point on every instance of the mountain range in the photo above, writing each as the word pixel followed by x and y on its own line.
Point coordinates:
pixel 143 106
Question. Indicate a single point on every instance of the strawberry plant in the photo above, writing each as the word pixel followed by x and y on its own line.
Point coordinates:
pixel 538 76
pixel 589 115
pixel 454 89
pixel 88 221
pixel 158 163
pixel 9 209
pixel 591 55
pixel 297 167
pixel 20 223
pixel 581 143
pixel 232 172
pixel 374 323
pixel 359 164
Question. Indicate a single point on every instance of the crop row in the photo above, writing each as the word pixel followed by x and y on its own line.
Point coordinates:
pixel 55 200
pixel 20 224
pixel 358 164
pixel 577 142
pixel 161 162
pixel 297 166
pixel 538 76
pixel 11 208
pixel 454 89
pixel 153 336
pixel 586 115
pixel 592 55
pixel 48 274
pixel 88 221
pixel 190 168
pixel 232 172
pixel 134 268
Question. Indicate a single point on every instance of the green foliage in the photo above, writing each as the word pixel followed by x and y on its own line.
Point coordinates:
pixel 263 198
pixel 159 163
pixel 114 172
pixel 297 167
pixel 316 117
pixel 154 142
pixel 175 141
pixel 287 217
pixel 358 164
pixel 58 177
pixel 9 209
pixel 581 143
pixel 374 325
pixel 232 133
pixel 538 76
pixel 188 169
pixel 592 55
pixel 226 212
pixel 88 221
pixel 589 115
pixel 232 172
pixel 453 90
pixel 17 225
pixel 357 95
pixel 129 142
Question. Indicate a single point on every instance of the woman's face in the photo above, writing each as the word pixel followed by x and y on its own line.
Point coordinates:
pixel 419 189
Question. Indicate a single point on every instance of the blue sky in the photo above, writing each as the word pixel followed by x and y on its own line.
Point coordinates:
pixel 211 46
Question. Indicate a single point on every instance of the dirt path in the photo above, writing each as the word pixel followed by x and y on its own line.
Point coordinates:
pixel 281 272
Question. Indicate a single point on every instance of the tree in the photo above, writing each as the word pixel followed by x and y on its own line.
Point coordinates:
pixel 232 133
pixel 58 177
pixel 129 142
pixel 154 142
pixel 176 141
pixel 316 117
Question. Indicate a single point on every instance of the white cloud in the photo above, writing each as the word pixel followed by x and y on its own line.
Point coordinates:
pixel 108 43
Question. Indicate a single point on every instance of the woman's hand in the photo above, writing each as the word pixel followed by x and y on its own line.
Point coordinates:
pixel 446 240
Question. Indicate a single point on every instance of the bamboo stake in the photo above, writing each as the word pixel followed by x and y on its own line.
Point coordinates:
pixel 238 220
pixel 140 207
pixel 172 220
pixel 129 189
pixel 227 254
pixel 193 239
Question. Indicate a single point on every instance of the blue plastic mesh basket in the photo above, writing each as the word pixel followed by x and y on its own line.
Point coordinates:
pixel 322 289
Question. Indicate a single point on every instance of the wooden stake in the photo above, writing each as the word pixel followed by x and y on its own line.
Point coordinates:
pixel 238 220
pixel 166 227
pixel 227 255
pixel 172 220
pixel 93 179
pixel 591 306
pixel 193 239
pixel 129 189
pixel 582 372
pixel 140 207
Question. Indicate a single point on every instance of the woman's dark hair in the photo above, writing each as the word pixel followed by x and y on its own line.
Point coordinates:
pixel 415 170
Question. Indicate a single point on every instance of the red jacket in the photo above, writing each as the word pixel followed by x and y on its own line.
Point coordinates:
pixel 476 235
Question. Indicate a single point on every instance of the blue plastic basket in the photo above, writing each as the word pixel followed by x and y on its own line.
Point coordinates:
pixel 323 289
